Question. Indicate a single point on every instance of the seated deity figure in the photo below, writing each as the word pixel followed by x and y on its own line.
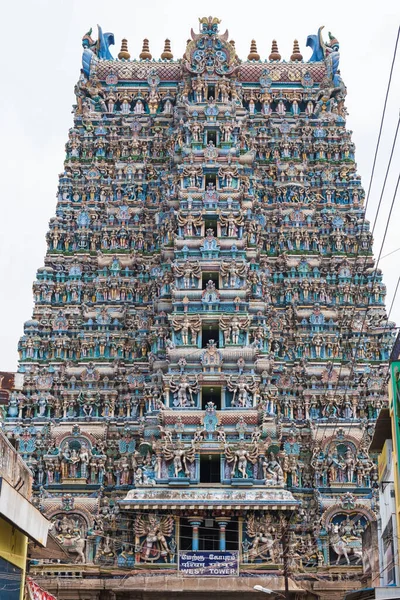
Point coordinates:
pixel 272 471
pixel 139 107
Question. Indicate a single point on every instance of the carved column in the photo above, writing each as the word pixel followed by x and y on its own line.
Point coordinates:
pixel 222 522
pixel 240 538
pixel 195 522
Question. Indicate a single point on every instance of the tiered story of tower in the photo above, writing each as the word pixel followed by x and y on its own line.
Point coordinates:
pixel 207 351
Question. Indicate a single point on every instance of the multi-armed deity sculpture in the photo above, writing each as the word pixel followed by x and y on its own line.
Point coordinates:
pixel 209 330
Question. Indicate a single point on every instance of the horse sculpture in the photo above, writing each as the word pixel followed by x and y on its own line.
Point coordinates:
pixel 69 536
pixel 75 545
pixel 343 547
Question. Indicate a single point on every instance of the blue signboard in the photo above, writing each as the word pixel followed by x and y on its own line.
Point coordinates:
pixel 211 564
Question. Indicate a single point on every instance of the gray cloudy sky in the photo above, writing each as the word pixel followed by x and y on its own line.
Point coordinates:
pixel 40 62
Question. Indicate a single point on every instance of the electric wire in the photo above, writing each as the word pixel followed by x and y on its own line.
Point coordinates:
pixel 390 253
pixel 355 355
pixel 355 351
pixel 382 119
pixel 370 185
pixel 386 175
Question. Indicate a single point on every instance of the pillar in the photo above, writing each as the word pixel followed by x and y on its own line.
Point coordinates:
pixel 222 522
pixel 195 523
pixel 240 538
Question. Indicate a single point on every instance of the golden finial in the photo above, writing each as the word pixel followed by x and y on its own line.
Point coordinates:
pixel 297 55
pixel 145 53
pixel 253 51
pixel 167 54
pixel 274 51
pixel 124 54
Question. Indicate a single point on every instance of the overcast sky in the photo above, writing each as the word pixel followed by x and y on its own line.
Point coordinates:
pixel 40 62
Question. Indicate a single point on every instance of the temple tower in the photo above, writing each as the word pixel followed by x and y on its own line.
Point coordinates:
pixel 204 363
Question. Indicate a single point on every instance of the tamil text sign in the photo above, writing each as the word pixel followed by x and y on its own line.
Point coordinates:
pixel 211 564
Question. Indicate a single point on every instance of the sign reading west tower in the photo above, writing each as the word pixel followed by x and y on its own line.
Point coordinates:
pixel 203 367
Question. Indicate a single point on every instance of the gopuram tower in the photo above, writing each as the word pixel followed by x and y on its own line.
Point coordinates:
pixel 206 356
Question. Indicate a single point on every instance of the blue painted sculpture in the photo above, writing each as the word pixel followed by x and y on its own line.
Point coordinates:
pixel 99 48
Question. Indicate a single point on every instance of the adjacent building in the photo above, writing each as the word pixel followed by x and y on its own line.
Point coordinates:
pixel 20 521
pixel 387 526
pixel 382 569
pixel 204 363
pixel 394 408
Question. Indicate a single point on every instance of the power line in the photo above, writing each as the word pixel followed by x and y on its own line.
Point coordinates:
pixel 361 281
pixel 366 258
pixel 390 253
pixel 386 174
pixel 382 119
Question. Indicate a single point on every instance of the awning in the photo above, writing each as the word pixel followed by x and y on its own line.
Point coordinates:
pixel 36 592
pixel 18 511
pixel 390 592
pixel 53 550
pixel 382 431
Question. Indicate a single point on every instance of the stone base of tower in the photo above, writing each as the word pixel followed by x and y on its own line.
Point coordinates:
pixel 169 587
pixel 95 586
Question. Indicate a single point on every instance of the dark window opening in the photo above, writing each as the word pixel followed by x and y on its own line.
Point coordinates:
pixel 210 468
pixel 211 224
pixel 212 137
pixel 210 276
pixel 211 179
pixel 211 394
pixel 211 92
pixel 186 534
pixel 74 445
pixel 209 331
pixel 209 538
pixel 232 536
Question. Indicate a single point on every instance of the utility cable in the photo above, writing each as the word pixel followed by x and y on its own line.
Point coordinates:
pixel 386 175
pixel 382 119
pixel 376 266
pixel 371 180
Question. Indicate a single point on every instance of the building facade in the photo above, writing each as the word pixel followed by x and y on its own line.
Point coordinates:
pixel 388 540
pixel 205 360
pixel 386 571
pixel 394 408
pixel 20 521
pixel 385 443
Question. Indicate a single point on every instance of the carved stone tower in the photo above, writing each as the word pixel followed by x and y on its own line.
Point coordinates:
pixel 204 363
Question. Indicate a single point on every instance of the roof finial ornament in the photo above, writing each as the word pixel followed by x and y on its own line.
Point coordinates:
pixel 253 51
pixel 167 54
pixel 209 25
pixel 296 55
pixel 274 51
pixel 145 53
pixel 124 53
